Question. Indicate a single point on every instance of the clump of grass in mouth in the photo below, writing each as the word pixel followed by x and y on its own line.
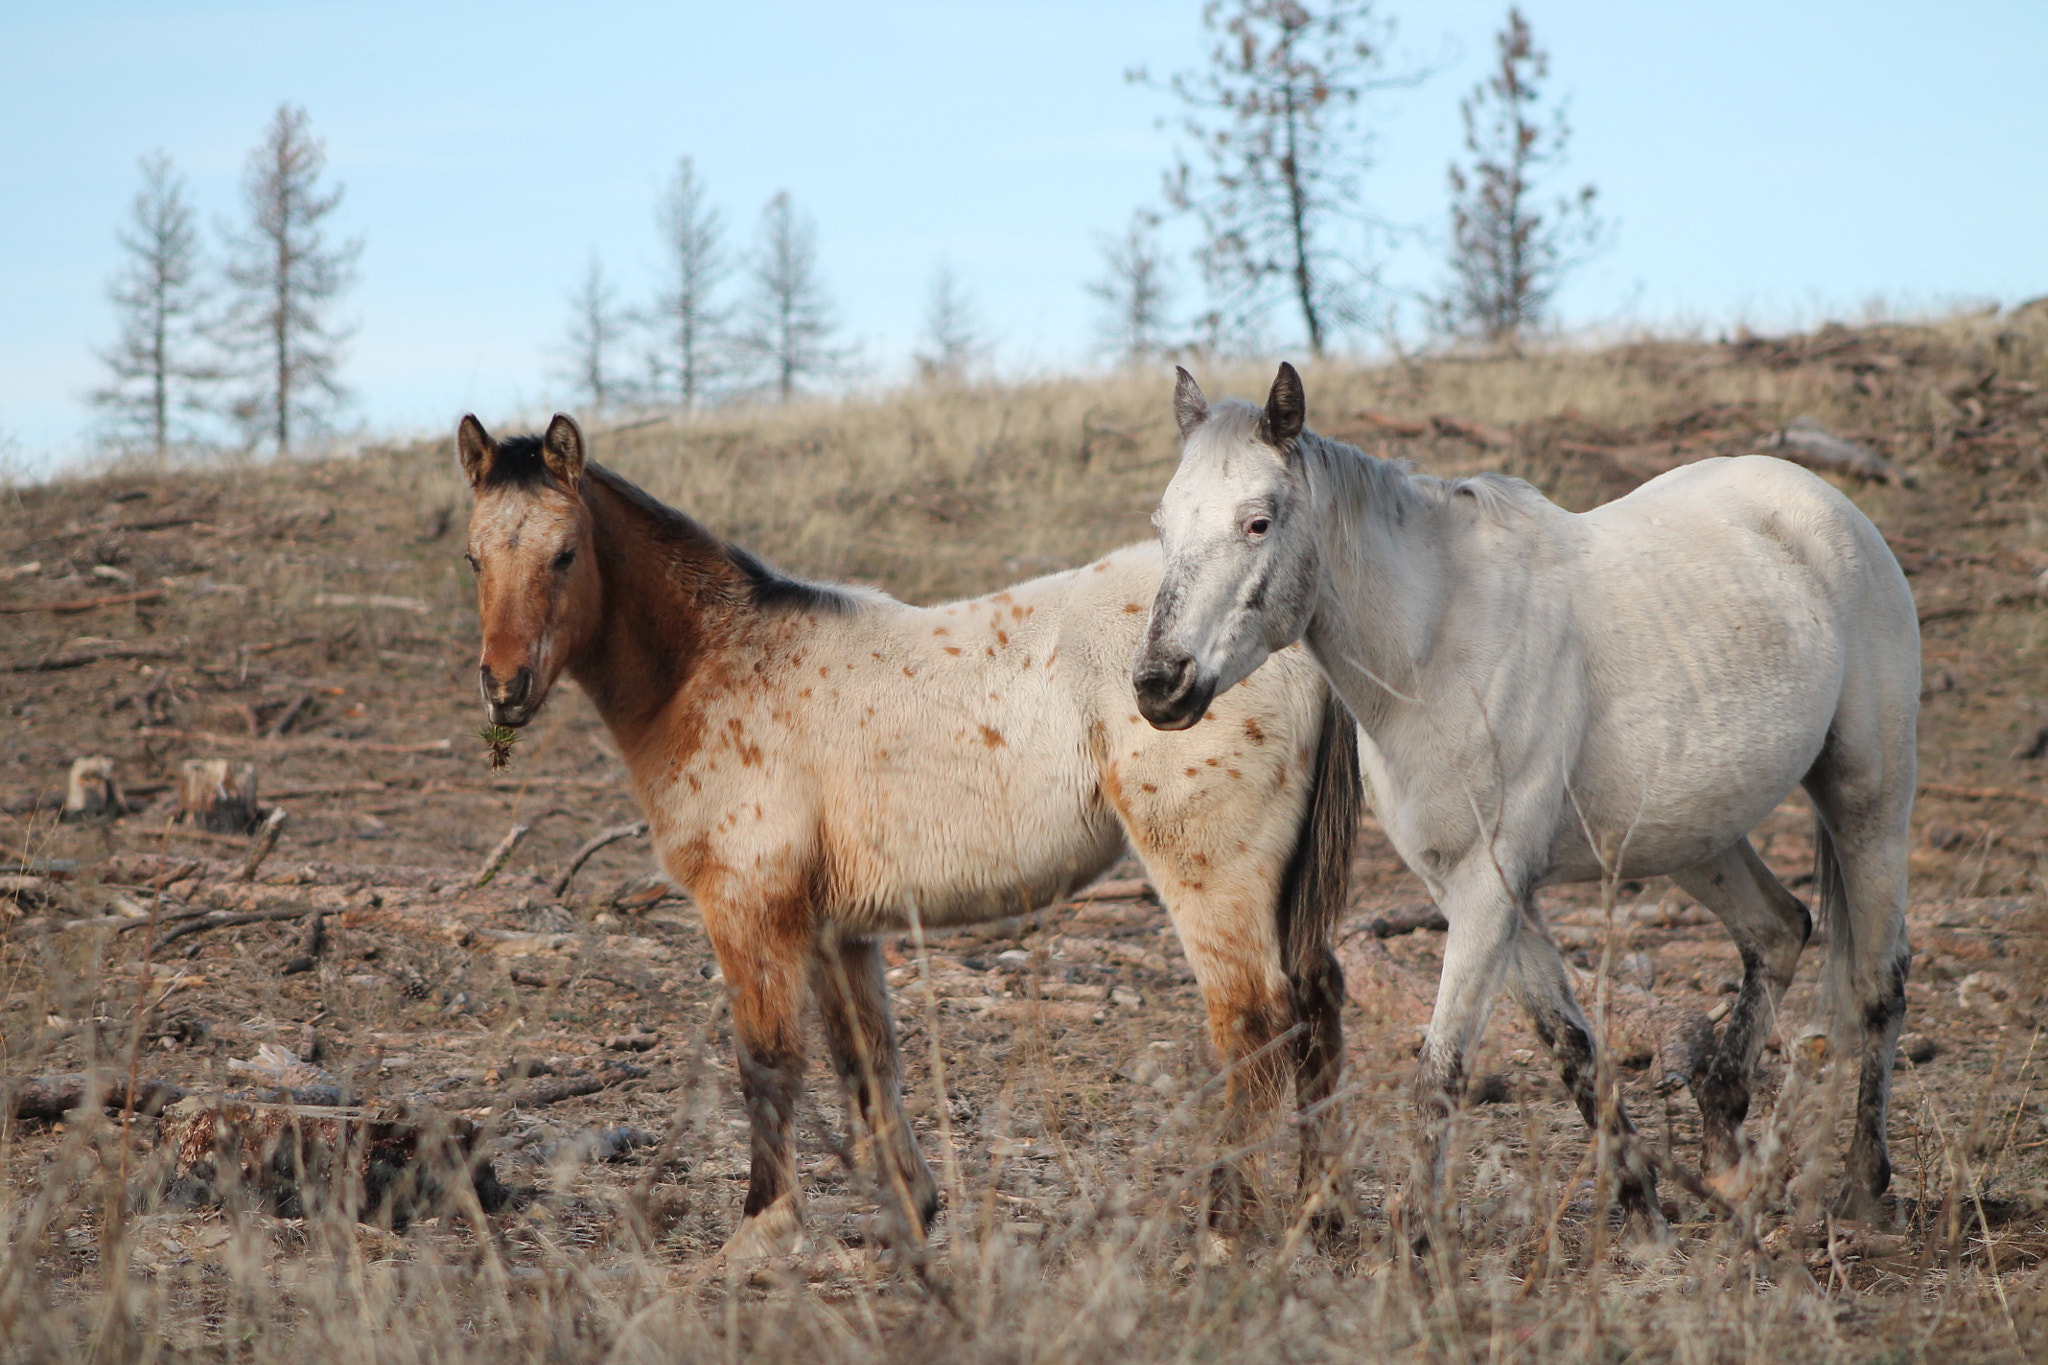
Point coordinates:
pixel 501 738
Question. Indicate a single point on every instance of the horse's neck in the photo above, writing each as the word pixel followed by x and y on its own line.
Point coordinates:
pixel 1383 584
pixel 666 604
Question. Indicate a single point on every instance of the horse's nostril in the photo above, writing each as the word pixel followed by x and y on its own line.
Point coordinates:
pixel 516 691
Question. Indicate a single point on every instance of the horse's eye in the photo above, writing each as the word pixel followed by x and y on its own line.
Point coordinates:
pixel 1258 526
pixel 565 559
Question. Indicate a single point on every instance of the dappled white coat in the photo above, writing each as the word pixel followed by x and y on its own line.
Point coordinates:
pixel 968 761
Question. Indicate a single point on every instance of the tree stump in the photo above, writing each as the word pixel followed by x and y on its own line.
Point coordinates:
pixel 217 795
pixel 92 794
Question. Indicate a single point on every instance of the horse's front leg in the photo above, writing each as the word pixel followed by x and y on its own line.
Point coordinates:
pixel 853 998
pixel 1546 993
pixel 1234 951
pixel 1478 952
pixel 763 950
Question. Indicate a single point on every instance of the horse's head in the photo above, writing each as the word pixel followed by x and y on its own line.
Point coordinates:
pixel 1240 551
pixel 537 586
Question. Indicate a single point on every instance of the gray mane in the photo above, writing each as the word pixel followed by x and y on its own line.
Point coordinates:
pixel 1392 488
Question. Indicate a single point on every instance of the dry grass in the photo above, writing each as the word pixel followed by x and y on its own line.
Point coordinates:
pixel 1067 1166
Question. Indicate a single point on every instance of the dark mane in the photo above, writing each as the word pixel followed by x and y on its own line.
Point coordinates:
pixel 769 588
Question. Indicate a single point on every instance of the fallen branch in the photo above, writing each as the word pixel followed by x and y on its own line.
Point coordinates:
pixel 433 746
pixel 1399 922
pixel 266 840
pixel 1981 793
pixel 602 839
pixel 495 863
pixel 1804 441
pixel 1479 433
pixel 285 718
pixel 228 919
pixel 384 600
pixel 362 788
pixel 79 658
pixel 46 1099
pixel 569 1087
pixel 87 603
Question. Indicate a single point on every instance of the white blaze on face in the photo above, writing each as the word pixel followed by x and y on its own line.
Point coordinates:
pixel 1229 574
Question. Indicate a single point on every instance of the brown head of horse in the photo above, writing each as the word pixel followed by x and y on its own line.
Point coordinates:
pixel 539 592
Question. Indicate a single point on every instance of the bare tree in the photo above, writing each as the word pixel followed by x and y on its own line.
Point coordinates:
pixel 1133 292
pixel 691 330
pixel 159 365
pixel 1278 153
pixel 788 316
pixel 953 343
pixel 285 274
pixel 595 329
pixel 1507 255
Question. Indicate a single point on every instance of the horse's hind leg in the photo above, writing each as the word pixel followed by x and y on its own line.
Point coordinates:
pixel 1860 843
pixel 1770 927
pixel 763 955
pixel 853 999
pixel 1545 991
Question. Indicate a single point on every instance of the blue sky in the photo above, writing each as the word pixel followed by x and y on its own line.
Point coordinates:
pixel 1773 164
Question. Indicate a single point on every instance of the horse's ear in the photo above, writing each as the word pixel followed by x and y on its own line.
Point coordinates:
pixel 1190 409
pixel 562 449
pixel 476 449
pixel 1286 407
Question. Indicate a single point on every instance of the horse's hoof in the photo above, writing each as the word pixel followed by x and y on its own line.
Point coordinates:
pixel 1733 1183
pixel 775 1231
pixel 1861 1208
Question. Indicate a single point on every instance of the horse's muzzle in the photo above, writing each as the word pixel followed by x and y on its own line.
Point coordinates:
pixel 1170 694
pixel 509 702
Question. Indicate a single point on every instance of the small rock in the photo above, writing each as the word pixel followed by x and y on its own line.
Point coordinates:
pixel 1917 1048
pixel 1013 957
pixel 636 1041
pixel 1126 997
pixel 1638 970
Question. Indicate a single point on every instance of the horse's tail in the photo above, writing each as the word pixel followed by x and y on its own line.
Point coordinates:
pixel 1831 900
pixel 1314 895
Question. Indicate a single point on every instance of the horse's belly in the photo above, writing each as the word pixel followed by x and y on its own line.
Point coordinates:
pixel 968 861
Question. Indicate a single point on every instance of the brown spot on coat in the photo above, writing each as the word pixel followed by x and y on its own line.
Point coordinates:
pixel 992 737
pixel 1251 728
pixel 953 650
pixel 1132 607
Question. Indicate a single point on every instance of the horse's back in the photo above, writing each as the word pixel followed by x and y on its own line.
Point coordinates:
pixel 1735 614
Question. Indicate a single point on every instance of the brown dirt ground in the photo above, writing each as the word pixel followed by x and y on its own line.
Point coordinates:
pixel 1072 1068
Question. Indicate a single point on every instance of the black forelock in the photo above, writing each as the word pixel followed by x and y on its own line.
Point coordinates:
pixel 518 461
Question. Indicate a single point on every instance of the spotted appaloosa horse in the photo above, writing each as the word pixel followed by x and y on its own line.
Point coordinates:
pixel 822 764
pixel 1549 697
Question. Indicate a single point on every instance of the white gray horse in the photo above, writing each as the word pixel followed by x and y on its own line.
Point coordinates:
pixel 1549 697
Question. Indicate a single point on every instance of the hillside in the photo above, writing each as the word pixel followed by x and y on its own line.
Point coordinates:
pixel 316 619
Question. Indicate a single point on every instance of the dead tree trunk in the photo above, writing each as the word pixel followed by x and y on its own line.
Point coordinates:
pixel 218 795
pixel 91 794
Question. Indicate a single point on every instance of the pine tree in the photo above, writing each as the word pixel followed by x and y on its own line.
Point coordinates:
pixel 1133 293
pixel 285 276
pixel 789 316
pixel 595 329
pixel 159 366
pixel 1278 154
pixel 691 351
pixel 1508 256
pixel 953 345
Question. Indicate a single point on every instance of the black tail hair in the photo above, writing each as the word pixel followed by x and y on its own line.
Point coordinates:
pixel 1315 895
